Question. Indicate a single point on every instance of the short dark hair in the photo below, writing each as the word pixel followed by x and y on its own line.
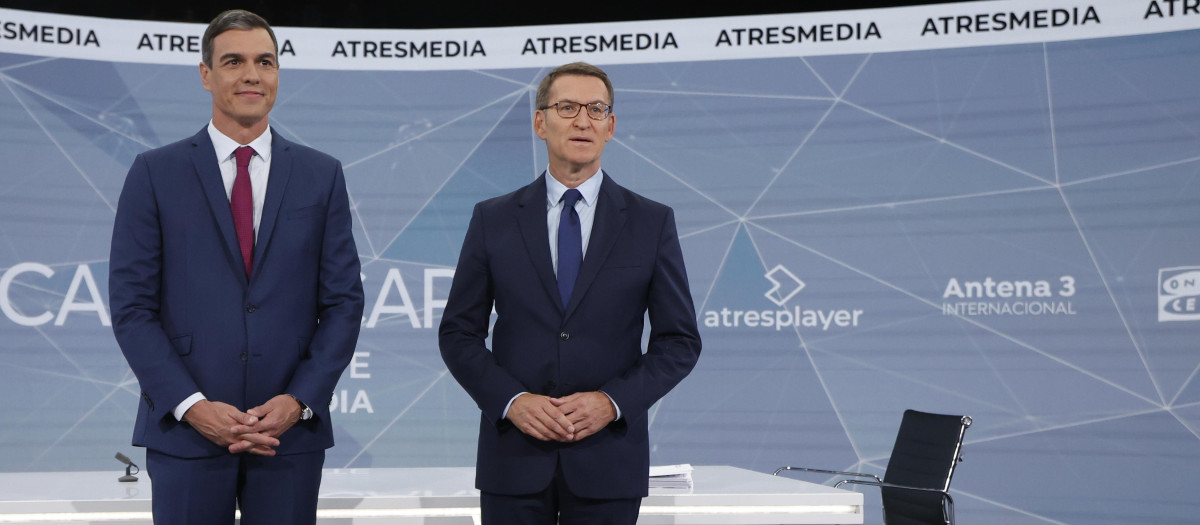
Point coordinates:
pixel 239 19
pixel 575 68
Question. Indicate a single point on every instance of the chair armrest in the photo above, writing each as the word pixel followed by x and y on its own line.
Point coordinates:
pixel 945 495
pixel 823 471
pixel 890 485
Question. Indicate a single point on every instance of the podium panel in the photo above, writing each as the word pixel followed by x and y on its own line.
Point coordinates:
pixel 442 496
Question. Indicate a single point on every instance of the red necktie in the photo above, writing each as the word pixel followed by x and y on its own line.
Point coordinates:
pixel 241 202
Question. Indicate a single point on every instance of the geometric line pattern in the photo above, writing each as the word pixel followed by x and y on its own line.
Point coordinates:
pixel 973 231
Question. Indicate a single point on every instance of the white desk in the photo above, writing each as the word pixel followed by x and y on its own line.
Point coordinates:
pixel 443 496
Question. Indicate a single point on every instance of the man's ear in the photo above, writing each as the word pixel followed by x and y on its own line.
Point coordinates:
pixel 204 70
pixel 539 123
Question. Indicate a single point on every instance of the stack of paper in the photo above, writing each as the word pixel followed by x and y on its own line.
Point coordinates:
pixel 671 476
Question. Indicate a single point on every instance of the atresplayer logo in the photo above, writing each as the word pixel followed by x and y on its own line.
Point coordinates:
pixel 774 293
pixel 1179 294
pixel 784 286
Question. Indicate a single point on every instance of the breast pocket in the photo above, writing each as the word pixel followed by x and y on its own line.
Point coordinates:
pixel 316 210
pixel 624 260
pixel 620 267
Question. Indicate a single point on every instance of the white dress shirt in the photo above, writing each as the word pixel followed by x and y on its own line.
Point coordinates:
pixel 586 208
pixel 260 168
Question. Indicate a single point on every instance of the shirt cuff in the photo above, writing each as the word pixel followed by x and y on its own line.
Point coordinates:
pixel 504 415
pixel 183 407
pixel 614 403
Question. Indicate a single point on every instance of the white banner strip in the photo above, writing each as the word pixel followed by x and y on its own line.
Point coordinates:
pixel 997 22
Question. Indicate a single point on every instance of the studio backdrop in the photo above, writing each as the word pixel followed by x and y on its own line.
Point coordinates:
pixel 986 208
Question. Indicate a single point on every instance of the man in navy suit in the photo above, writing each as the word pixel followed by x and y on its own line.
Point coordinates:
pixel 572 263
pixel 237 300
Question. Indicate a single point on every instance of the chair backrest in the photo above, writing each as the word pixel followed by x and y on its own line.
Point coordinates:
pixel 928 447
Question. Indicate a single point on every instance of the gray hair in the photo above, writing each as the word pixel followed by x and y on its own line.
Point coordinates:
pixel 582 69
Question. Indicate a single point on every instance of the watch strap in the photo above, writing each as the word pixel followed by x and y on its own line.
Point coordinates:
pixel 306 413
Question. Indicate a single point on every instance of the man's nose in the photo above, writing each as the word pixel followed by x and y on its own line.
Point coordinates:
pixel 250 75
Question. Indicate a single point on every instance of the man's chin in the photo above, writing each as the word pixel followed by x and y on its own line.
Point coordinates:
pixel 582 157
pixel 250 121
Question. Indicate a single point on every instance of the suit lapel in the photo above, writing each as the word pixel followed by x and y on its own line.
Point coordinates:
pixel 204 160
pixel 277 181
pixel 531 216
pixel 606 227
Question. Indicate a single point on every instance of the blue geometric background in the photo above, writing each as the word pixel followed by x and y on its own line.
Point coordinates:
pixel 873 181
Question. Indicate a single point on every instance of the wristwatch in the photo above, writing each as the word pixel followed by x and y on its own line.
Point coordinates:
pixel 305 412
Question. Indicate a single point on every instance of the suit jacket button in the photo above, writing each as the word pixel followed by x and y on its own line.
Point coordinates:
pixel 250 308
pixel 564 336
pixel 243 356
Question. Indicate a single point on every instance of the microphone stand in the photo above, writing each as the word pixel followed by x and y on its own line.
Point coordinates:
pixel 129 469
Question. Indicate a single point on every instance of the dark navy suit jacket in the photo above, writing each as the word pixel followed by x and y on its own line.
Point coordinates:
pixel 633 265
pixel 188 319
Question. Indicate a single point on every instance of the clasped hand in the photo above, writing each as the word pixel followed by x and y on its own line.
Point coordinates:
pixel 256 430
pixel 562 419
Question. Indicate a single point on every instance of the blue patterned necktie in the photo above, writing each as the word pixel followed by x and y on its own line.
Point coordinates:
pixel 570 245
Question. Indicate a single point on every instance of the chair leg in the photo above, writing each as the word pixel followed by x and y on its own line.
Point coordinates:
pixel 949 509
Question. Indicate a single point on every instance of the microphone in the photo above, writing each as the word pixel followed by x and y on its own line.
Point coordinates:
pixel 129 466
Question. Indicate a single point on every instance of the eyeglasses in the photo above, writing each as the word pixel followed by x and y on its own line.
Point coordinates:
pixel 568 109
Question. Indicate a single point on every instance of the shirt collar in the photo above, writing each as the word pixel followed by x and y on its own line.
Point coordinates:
pixel 225 146
pixel 590 189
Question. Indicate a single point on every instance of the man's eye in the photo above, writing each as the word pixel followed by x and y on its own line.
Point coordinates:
pixel 567 107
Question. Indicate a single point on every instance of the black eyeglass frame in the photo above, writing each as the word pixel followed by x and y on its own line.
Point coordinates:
pixel 608 108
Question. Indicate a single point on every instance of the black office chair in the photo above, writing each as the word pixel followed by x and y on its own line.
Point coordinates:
pixel 915 488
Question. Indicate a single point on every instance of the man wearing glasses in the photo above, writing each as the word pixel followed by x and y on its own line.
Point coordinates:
pixel 572 263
